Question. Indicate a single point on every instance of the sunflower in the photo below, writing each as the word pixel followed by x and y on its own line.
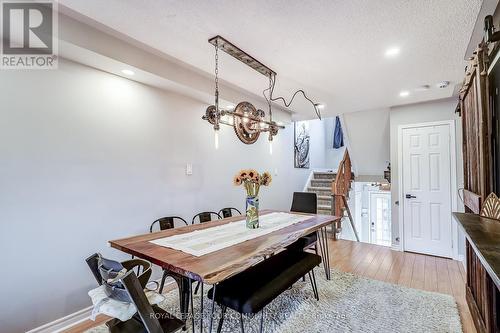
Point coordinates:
pixel 237 180
pixel 266 179
pixel 252 173
pixel 256 178
pixel 244 174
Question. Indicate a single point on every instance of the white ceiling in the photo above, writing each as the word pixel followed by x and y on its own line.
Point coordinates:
pixel 334 49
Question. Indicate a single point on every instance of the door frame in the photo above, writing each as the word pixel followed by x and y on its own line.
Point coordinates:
pixel 453 180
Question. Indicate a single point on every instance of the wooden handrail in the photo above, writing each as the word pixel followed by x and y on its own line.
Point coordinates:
pixel 342 183
pixel 340 191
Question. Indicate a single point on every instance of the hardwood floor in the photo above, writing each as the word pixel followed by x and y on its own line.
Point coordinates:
pixel 381 263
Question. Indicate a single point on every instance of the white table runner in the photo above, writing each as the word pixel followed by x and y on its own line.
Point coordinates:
pixel 201 242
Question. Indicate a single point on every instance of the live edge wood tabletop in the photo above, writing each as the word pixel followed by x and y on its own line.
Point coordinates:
pixel 218 266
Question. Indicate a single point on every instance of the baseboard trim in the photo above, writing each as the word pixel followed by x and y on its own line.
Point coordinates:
pixel 396 247
pixel 75 318
pixel 64 323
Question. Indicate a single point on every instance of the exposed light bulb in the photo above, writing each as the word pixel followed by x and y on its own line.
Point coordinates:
pixel 216 139
pixel 270 147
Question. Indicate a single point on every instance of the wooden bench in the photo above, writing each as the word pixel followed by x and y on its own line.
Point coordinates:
pixel 250 291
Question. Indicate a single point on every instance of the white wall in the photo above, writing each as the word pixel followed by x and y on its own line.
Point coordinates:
pixel 87 157
pixel 369 146
pixel 420 113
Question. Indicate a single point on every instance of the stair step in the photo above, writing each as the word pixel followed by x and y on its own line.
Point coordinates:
pixel 324 212
pixel 321 183
pixel 320 190
pixel 324 202
pixel 324 207
pixel 324 175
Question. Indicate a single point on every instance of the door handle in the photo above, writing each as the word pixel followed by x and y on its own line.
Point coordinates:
pixel 409 196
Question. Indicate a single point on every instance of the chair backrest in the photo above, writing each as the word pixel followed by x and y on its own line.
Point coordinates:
pixel 167 222
pixel 305 202
pixel 93 264
pixel 128 288
pixel 138 297
pixel 205 217
pixel 228 211
pixel 104 269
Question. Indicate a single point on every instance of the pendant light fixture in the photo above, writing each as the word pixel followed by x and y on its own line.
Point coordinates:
pixel 247 121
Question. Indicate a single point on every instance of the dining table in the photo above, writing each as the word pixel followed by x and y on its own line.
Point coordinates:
pixel 214 267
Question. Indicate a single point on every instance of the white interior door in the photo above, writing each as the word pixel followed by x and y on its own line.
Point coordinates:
pixel 426 169
pixel 380 218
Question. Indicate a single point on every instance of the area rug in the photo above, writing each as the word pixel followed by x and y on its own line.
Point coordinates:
pixel 348 303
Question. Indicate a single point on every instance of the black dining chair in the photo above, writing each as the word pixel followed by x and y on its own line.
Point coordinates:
pixel 205 217
pixel 228 212
pixel 167 222
pixel 305 202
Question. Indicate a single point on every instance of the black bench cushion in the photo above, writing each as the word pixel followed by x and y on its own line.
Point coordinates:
pixel 253 289
pixel 304 242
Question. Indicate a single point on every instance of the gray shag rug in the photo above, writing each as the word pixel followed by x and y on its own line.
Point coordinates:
pixel 348 303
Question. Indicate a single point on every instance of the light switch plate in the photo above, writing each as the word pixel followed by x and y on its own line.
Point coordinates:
pixel 189 169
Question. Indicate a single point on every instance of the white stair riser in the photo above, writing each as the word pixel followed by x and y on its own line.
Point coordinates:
pixel 321 183
pixel 318 175
pixel 324 202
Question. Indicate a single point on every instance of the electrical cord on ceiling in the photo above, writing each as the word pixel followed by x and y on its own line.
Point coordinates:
pixel 287 104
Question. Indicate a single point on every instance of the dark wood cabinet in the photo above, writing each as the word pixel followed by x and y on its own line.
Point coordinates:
pixel 483 269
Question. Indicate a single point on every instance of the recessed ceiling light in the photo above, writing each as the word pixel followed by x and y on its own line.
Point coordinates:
pixel 392 52
pixel 404 93
pixel 319 106
pixel 127 72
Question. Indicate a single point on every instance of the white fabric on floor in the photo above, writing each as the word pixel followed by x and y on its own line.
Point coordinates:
pixel 116 309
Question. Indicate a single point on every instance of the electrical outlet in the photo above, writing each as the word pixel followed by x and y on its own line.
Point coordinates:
pixel 189 169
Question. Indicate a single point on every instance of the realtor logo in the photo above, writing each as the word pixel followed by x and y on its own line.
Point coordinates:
pixel 28 35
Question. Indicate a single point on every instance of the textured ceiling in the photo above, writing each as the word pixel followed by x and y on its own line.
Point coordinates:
pixel 334 49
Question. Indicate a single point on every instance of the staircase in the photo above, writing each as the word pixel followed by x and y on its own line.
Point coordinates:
pixel 321 184
pixel 332 190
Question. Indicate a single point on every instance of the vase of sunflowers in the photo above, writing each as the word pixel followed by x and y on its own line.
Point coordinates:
pixel 252 181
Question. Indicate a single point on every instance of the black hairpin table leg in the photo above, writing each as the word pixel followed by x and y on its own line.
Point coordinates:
pixel 324 251
pixel 201 308
pixel 213 308
pixel 184 285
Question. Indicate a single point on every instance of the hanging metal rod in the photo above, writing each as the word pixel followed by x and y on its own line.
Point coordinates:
pixel 241 55
pixel 257 120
